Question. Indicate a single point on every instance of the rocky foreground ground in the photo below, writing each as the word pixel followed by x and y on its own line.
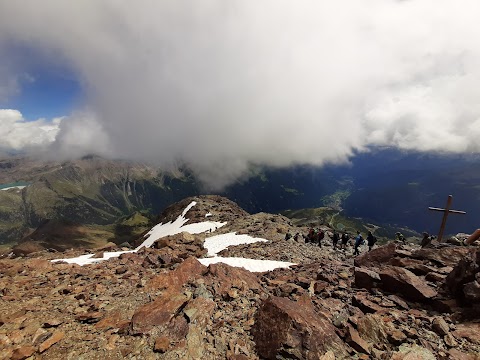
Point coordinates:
pixel 395 302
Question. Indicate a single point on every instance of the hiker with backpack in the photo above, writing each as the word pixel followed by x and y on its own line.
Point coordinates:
pixel 335 238
pixel 399 236
pixel 371 240
pixel 358 241
pixel 345 238
pixel 320 236
pixel 427 239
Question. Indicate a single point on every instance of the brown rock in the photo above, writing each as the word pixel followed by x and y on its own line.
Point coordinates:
pixel 223 277
pixel 446 256
pixel 412 352
pixel 403 281
pixel 23 352
pixel 89 317
pixel 472 292
pixel 319 286
pixel 40 265
pixel 396 337
pixel 40 336
pixel 158 312
pixel 365 278
pixel 458 355
pixel 399 301
pixel 121 270
pixel 286 327
pixel 463 273
pixel 435 277
pixel 356 342
pixel 440 326
pixel 379 256
pixel 162 344
pixel 372 328
pixel 188 270
pixel 469 331
pixel 445 305
pixel 199 312
pixel 107 247
pixel 111 320
pixel 56 337
pixel 52 323
pixel 450 340
pixel 363 303
pixel 329 355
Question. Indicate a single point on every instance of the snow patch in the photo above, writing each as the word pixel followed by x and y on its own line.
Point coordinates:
pixel 252 265
pixel 213 244
pixel 217 243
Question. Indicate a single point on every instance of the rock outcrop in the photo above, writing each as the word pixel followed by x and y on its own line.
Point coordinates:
pixel 395 302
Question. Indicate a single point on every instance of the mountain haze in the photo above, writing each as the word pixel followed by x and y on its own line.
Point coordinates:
pixel 384 187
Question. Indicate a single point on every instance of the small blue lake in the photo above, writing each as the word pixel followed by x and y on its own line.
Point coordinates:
pixel 14 184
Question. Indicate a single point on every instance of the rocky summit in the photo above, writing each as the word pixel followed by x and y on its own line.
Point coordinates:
pixel 396 302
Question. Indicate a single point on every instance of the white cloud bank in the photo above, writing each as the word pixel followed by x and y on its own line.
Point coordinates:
pixel 16 133
pixel 223 84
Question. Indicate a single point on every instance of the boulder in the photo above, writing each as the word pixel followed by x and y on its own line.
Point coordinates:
pixel 159 312
pixel 465 273
pixel 445 256
pixel 372 328
pixel 223 278
pixel 190 269
pixel 294 329
pixel 365 278
pixel 56 337
pixel 412 352
pixel 407 284
pixel 356 342
pixel 379 256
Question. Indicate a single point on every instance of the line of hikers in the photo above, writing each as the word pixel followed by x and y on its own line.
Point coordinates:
pixel 315 236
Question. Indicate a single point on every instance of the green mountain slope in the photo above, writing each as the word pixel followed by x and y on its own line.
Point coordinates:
pixel 88 191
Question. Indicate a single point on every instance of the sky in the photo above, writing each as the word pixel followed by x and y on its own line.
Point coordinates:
pixel 219 86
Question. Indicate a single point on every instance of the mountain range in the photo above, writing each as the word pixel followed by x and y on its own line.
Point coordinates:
pixel 385 187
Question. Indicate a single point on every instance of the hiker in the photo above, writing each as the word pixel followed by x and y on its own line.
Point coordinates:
pixel 371 240
pixel 426 239
pixel 399 236
pixel 358 241
pixel 310 236
pixel 335 238
pixel 288 236
pixel 295 237
pixel 345 239
pixel 320 236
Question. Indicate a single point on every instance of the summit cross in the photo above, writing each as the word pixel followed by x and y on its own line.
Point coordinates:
pixel 445 211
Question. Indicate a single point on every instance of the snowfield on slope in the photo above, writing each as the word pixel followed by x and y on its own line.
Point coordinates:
pixel 213 244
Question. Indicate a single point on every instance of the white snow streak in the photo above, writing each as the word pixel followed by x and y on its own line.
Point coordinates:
pixel 217 243
pixel 213 244
pixel 252 265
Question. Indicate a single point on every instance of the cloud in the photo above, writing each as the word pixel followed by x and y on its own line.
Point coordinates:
pixel 222 85
pixel 18 134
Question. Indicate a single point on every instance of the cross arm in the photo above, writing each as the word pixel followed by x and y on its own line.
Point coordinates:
pixel 451 211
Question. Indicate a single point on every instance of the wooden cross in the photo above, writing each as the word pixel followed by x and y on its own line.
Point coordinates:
pixel 445 211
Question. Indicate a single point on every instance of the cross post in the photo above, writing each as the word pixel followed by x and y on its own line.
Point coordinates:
pixel 445 211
